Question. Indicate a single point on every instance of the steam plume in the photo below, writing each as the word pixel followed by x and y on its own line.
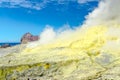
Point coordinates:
pixel 106 14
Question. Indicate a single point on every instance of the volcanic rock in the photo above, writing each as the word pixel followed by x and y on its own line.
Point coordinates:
pixel 28 37
pixel 5 45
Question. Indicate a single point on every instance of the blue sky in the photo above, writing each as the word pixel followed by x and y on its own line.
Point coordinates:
pixel 20 16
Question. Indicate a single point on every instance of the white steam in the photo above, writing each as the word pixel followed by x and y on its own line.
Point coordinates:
pixel 108 12
pixel 47 35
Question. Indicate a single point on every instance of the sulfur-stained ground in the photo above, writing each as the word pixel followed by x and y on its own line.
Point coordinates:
pixel 93 54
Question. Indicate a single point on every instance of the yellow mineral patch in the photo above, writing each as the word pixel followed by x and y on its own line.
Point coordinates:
pixel 96 49
pixel 92 38
pixel 47 65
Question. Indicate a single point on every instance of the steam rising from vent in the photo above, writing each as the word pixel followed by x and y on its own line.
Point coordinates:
pixel 47 35
pixel 106 14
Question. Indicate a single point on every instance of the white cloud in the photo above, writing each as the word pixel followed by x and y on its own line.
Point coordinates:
pixel 38 5
pixel 85 1
pixel 23 3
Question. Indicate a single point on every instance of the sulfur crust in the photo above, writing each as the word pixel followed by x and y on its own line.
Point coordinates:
pixel 90 46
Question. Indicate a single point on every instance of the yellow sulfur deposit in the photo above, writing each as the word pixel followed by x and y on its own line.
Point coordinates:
pixel 87 54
